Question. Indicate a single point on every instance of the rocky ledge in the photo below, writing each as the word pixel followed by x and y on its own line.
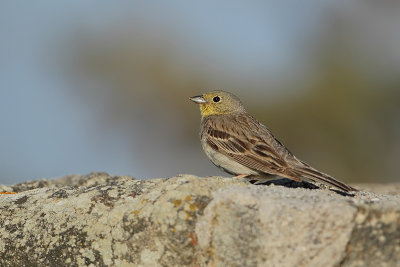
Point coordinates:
pixel 103 220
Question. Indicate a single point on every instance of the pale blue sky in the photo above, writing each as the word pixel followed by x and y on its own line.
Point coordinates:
pixel 46 131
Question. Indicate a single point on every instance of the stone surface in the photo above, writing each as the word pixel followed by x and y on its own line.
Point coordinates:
pixel 103 220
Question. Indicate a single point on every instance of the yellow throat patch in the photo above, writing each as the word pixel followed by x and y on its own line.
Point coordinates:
pixel 207 109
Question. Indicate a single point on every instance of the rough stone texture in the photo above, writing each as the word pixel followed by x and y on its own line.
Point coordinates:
pixel 103 220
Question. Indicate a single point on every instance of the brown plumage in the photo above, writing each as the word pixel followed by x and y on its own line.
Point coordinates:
pixel 240 145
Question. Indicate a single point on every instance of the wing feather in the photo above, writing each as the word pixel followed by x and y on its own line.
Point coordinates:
pixel 248 150
pixel 246 141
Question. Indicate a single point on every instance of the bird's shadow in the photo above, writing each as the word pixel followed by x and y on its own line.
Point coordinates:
pixel 303 184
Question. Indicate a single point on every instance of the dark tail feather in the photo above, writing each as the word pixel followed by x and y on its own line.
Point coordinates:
pixel 314 175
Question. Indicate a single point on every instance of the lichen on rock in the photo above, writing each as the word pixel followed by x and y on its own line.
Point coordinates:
pixel 104 220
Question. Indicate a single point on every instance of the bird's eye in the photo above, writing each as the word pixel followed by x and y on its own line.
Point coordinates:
pixel 216 99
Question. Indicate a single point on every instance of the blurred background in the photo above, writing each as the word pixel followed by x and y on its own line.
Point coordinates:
pixel 103 86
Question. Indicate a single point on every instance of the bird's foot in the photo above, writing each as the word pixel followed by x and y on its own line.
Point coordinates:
pixel 241 176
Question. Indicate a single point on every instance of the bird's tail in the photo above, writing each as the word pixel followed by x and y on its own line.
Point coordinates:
pixel 308 173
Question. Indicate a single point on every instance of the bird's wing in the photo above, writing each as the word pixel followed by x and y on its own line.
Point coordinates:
pixel 244 146
pixel 251 144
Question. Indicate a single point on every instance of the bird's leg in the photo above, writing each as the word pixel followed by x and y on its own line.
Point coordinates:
pixel 241 176
pixel 7 193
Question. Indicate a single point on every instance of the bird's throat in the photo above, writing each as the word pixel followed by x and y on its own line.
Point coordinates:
pixel 207 110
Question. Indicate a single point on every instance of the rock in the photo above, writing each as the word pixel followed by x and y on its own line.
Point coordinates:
pixel 103 220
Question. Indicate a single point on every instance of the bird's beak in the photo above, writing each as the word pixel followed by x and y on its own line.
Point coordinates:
pixel 199 99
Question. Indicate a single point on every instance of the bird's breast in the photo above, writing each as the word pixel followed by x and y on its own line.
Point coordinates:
pixel 225 162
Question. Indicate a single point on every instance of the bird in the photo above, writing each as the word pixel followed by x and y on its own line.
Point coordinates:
pixel 240 145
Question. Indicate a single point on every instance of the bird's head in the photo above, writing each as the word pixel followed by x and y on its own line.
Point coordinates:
pixel 218 103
